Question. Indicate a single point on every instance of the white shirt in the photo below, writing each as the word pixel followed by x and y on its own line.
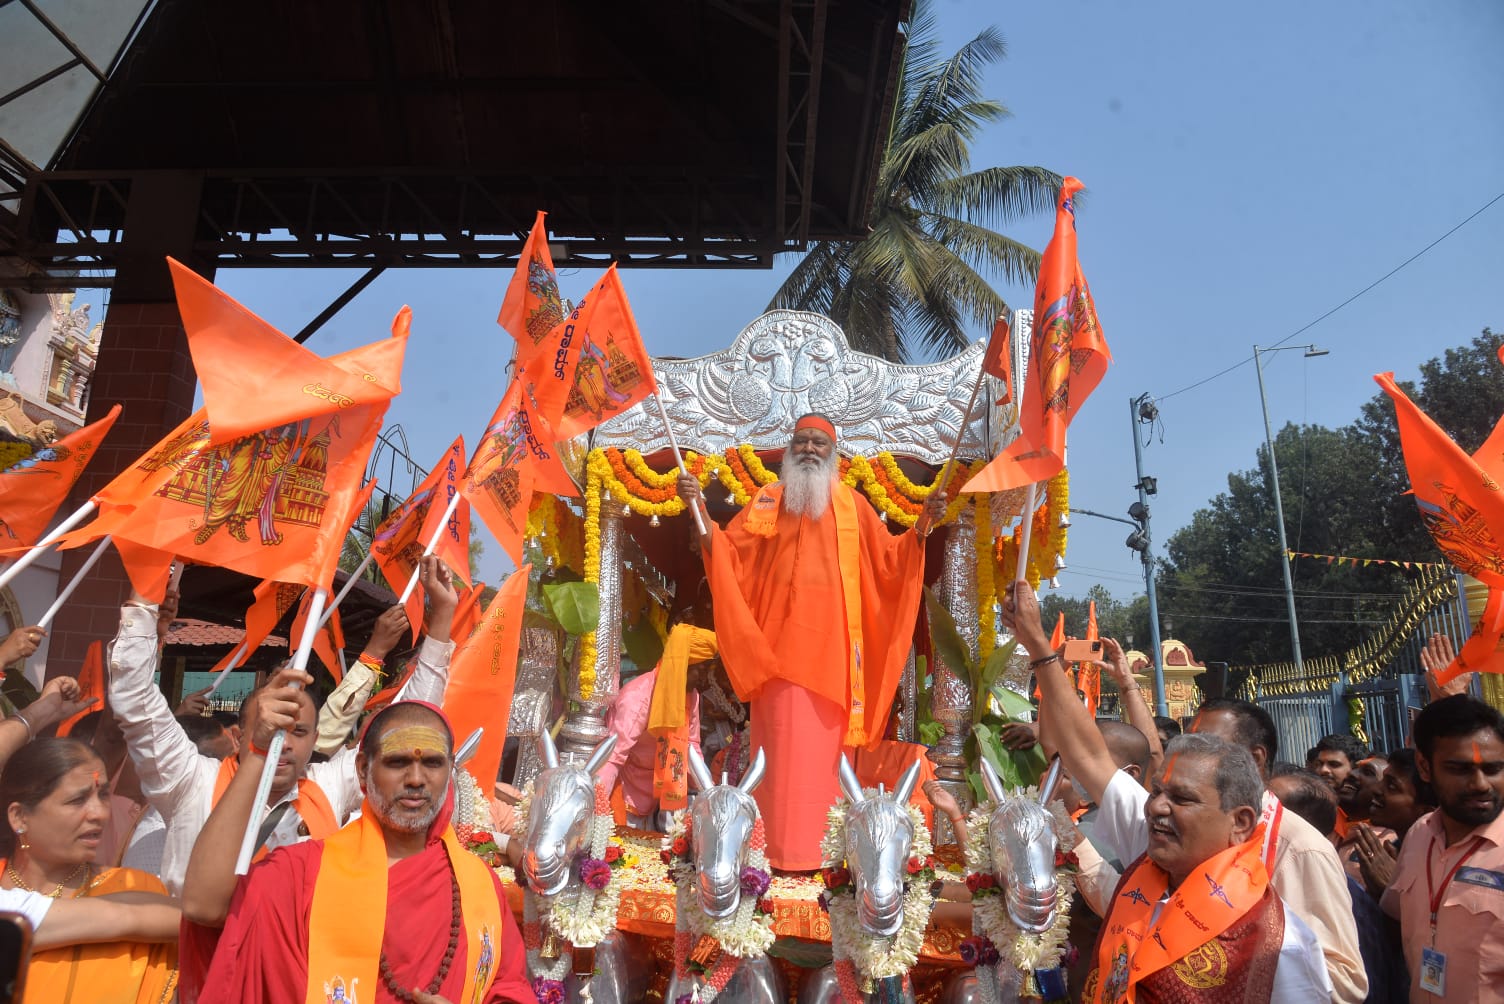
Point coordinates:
pixel 31 905
pixel 148 841
pixel 179 781
pixel 1302 973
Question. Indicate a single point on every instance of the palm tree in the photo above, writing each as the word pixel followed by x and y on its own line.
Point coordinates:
pixel 909 288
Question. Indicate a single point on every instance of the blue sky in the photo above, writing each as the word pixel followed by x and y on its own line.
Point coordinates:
pixel 1249 167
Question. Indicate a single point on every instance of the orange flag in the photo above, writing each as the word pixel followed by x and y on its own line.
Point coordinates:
pixel 998 360
pixel 1458 495
pixel 269 604
pixel 34 485
pixel 398 543
pixel 275 505
pixel 255 378
pixel 1089 679
pixel 466 613
pixel 90 684
pixel 1057 638
pixel 1067 358
pixel 513 458
pixel 1480 653
pixel 598 367
pixel 482 675
pixel 532 307
pixel 328 641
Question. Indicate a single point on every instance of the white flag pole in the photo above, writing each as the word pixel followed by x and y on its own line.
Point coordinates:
pixel 349 585
pixel 235 660
pixel 679 459
pixel 274 750
pixel 78 577
pixel 1026 531
pixel 433 542
pixel 44 545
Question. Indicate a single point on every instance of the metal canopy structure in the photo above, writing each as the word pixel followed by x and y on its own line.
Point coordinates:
pixel 391 133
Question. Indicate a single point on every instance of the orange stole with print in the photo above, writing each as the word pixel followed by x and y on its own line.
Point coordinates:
pixel 112 972
pixel 310 803
pixel 347 918
pixel 1208 937
pixel 762 518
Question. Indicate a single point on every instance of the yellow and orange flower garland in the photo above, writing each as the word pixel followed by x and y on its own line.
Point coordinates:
pixel 624 477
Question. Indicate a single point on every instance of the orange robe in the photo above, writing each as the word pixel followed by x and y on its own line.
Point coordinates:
pixel 780 617
pixel 114 972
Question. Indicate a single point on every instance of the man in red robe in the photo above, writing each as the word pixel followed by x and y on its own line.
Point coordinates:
pixel 390 908
pixel 815 603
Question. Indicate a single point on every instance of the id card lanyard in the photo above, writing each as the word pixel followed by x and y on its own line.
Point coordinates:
pixel 1437 895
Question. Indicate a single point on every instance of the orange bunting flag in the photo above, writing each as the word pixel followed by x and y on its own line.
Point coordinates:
pixel 255 378
pixel 269 604
pixel 466 613
pixel 35 480
pixel 1067 359
pixel 328 641
pixel 482 675
pixel 532 307
pixel 1459 496
pixel 90 684
pixel 400 540
pixel 515 456
pixel 998 361
pixel 598 366
pixel 273 505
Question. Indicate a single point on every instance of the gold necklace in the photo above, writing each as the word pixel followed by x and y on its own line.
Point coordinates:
pixel 57 893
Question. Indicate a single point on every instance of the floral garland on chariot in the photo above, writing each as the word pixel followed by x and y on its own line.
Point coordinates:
pixel 1031 956
pixel 708 949
pixel 862 961
pixel 583 914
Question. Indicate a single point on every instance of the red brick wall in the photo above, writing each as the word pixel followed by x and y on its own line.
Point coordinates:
pixel 145 367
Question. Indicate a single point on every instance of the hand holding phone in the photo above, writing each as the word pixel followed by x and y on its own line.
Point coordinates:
pixel 1081 650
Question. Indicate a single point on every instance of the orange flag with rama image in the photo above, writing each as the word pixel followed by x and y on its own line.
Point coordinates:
pixel 515 455
pixel 400 540
pixel 90 684
pixel 597 366
pixel 532 307
pixel 1068 357
pixel 35 480
pixel 482 675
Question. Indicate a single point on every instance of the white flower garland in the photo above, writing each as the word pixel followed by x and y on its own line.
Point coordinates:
pixel 1023 951
pixel 876 958
pixel 579 915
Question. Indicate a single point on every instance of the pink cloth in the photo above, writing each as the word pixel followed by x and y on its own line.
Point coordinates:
pixel 123 816
pixel 632 760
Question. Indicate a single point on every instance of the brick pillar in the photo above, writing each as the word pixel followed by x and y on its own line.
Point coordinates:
pixel 145 367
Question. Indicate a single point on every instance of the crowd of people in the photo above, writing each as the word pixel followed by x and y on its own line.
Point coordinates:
pixel 1210 870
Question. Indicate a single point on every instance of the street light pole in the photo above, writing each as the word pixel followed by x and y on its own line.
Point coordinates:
pixel 1279 506
pixel 1137 407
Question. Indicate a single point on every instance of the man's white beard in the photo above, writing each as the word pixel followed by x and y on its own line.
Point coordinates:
pixel 807 483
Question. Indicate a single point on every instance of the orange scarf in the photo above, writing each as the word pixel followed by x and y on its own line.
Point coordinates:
pixel 347 918
pixel 310 803
pixel 668 717
pixel 762 519
pixel 1215 896
pixel 112 972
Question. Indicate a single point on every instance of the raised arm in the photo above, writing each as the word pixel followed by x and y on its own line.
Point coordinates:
pixel 431 675
pixel 689 491
pixel 210 881
pixel 59 700
pixel 1071 729
pixel 1135 711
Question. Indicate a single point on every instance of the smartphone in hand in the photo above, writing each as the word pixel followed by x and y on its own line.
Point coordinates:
pixel 1081 650
pixel 15 955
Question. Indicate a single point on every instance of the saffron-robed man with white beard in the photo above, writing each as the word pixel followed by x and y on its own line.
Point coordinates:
pixel 815 601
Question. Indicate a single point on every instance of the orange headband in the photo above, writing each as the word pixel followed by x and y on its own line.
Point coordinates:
pixel 816 422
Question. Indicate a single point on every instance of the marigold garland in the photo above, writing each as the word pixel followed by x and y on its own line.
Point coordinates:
pixel 986 582
pixel 592 572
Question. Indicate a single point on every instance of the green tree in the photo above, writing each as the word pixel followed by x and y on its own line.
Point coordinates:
pixel 921 275
pixel 1127 622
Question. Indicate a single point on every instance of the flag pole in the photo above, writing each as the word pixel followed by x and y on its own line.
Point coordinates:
pixel 1027 531
pixel 274 750
pixel 344 590
pixel 42 546
pixel 235 660
pixel 433 542
pixel 673 444
pixel 78 577
pixel 955 450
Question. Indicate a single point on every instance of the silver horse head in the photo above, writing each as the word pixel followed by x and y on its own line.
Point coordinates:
pixel 879 838
pixel 722 818
pixel 558 823
pixel 1021 839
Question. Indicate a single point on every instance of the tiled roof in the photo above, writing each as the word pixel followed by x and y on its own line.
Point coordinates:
pixel 188 631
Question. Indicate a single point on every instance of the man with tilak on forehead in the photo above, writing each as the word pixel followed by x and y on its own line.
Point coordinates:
pixel 315 922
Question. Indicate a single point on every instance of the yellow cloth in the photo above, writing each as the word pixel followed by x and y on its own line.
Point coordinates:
pixel 686 644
